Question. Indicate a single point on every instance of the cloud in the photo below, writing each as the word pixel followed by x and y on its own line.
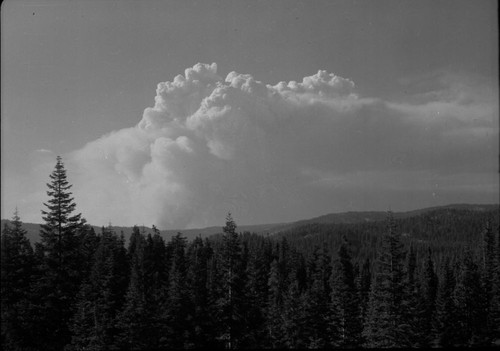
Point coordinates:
pixel 44 151
pixel 271 153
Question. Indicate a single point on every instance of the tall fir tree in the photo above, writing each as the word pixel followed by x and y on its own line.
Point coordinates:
pixel 385 324
pixel 231 303
pixel 61 260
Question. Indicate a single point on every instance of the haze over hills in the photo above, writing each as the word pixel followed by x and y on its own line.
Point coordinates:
pixel 33 229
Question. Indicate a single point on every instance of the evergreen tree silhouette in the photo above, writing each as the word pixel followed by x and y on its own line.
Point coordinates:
pixel 61 260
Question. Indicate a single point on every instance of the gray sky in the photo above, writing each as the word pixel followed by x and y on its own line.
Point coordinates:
pixel 411 119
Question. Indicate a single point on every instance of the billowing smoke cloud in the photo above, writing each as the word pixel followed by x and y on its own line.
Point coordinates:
pixel 283 152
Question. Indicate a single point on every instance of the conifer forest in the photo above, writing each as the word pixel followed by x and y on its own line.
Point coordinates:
pixel 431 280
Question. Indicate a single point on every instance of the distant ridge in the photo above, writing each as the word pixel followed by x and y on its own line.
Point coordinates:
pixel 371 216
pixel 33 229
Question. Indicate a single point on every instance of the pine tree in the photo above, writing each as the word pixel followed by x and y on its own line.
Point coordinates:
pixel 17 271
pixel 345 299
pixel 491 284
pixel 61 260
pixel 155 257
pixel 295 318
pixel 215 292
pixel 101 296
pixel 364 283
pixel 316 324
pixel 410 305
pixel 489 259
pixel 232 299
pixel 16 261
pixel 60 230
pixel 133 321
pixel 89 242
pixel 494 302
pixel 136 241
pixel 256 297
pixel 199 255
pixel 470 300
pixel 274 311
pixel 428 302
pixel 176 305
pixel 446 321
pixel 283 252
pixel 385 325
pixel 155 285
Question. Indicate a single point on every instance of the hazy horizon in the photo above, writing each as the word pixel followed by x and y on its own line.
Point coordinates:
pixel 174 113
pixel 240 225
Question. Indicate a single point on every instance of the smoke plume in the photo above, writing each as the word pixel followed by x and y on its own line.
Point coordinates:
pixel 281 152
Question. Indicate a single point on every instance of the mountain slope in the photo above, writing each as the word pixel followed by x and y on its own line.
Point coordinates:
pixel 271 229
pixel 377 216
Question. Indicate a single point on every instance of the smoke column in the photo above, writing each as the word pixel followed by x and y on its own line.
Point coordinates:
pixel 269 153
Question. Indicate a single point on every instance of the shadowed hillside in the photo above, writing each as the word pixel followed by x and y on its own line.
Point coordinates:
pixel 272 229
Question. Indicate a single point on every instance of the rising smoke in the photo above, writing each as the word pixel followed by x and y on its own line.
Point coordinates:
pixel 282 152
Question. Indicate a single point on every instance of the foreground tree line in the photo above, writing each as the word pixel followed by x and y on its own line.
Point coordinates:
pixel 82 290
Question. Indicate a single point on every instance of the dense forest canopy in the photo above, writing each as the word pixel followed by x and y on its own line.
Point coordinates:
pixel 431 279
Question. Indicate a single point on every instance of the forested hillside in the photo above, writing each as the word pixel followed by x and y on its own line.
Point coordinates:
pixel 444 230
pixel 33 229
pixel 428 280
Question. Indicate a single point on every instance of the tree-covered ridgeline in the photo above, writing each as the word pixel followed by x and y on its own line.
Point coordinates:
pixel 426 281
